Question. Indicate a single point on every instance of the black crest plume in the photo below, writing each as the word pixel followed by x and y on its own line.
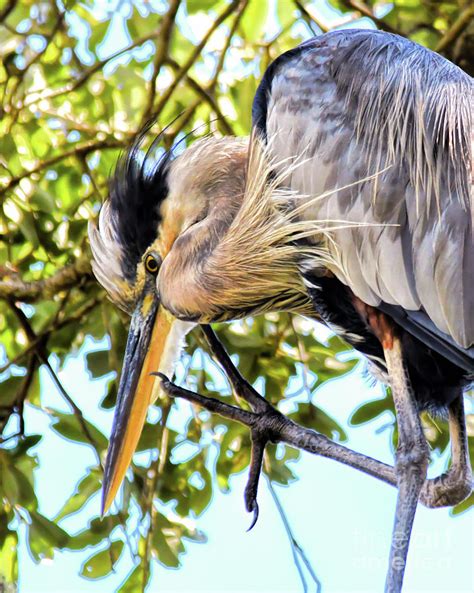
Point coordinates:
pixel 137 190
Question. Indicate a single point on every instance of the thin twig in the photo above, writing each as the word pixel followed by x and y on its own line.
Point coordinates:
pixel 299 554
pixel 70 276
pixel 193 57
pixel 74 151
pixel 42 355
pixel 225 49
pixel 18 404
pixel 310 18
pixel 204 94
pixel 162 49
pixel 456 29
pixel 9 6
pixel 23 393
pixel 365 10
pixel 86 74
pixel 303 361
pixel 75 408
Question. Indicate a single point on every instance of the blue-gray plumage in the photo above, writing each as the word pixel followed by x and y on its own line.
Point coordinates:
pixel 383 127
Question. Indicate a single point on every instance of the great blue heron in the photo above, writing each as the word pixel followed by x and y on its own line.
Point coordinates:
pixel 350 202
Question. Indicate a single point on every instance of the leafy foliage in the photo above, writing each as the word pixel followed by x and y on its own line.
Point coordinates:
pixel 75 86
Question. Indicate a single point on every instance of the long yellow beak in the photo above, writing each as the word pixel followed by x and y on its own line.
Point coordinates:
pixel 153 344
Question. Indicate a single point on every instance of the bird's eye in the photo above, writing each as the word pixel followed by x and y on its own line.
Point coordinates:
pixel 151 264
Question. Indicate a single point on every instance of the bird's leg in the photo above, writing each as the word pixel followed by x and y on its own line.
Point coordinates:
pixel 411 458
pixel 455 485
pixel 260 435
pixel 242 388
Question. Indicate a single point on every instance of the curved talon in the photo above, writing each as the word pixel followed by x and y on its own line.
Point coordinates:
pixel 165 382
pixel 255 510
pixel 163 377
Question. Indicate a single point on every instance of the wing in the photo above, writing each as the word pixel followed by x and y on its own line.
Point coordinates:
pixel 380 132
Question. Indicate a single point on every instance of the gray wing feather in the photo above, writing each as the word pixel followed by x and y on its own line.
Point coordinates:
pixel 352 104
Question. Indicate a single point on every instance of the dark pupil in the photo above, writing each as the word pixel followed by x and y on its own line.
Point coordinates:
pixel 151 264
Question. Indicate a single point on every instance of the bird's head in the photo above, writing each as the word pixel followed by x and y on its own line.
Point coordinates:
pixel 183 239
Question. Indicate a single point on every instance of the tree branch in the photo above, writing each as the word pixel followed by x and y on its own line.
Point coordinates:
pixel 310 18
pixel 225 49
pixel 456 29
pixel 194 56
pixel 86 74
pixel 204 94
pixel 76 317
pixel 75 151
pixel 161 52
pixel 299 554
pixel 267 424
pixel 9 6
pixel 365 10
pixel 68 277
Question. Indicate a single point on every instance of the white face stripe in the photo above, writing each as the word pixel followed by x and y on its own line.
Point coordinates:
pixel 107 257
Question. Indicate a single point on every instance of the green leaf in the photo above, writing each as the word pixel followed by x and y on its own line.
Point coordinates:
pixel 28 228
pixel 254 20
pixel 285 13
pixel 110 398
pixel 201 497
pixel 34 391
pixel 9 558
pixel 139 26
pixel 25 444
pixel 315 417
pixel 44 537
pixel 86 487
pixel 234 453
pixel 98 363
pixel 26 495
pixel 102 563
pixel 43 200
pixel 51 532
pixel 463 506
pixel 69 426
pixel 278 470
pixel 9 390
pixel 194 6
pixel 135 580
pixel 148 438
pixel 9 487
pixel 167 541
pixel 369 411
pixel 99 32
pixel 97 531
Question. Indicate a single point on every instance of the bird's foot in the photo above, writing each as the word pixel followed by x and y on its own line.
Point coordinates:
pixel 265 427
